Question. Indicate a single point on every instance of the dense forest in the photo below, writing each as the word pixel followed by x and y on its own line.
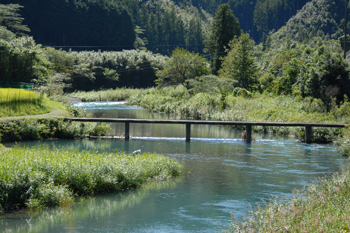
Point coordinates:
pixel 158 25
pixel 91 45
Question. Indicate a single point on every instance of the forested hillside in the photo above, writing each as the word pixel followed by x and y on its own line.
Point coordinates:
pixel 78 23
pixel 318 18
pixel 158 25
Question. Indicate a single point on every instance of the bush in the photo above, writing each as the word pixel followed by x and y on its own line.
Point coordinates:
pixel 35 177
pixel 36 129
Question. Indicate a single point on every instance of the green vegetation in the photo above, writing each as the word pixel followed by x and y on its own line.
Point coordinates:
pixel 18 102
pixel 314 69
pixel 324 207
pixel 88 207
pixel 18 60
pixel 117 94
pixel 224 28
pixel 40 177
pixel 37 129
pixel 317 18
pixel 78 23
pixel 239 64
pixel 297 74
pixel 10 18
pixel 245 106
pixel 182 67
pixel 147 24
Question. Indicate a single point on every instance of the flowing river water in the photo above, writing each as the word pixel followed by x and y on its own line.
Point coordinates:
pixel 223 175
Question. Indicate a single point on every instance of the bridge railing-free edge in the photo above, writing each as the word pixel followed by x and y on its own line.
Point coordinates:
pixel 188 123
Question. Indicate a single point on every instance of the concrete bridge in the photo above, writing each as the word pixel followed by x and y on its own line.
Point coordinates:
pixel 188 123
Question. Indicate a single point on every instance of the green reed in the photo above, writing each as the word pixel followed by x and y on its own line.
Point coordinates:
pixel 35 177
pixel 15 102
pixel 258 107
pixel 105 95
pixel 36 129
pixel 324 207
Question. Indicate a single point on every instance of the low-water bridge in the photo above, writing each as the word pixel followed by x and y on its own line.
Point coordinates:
pixel 188 123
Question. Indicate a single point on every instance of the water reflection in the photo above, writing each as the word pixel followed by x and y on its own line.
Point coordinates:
pixel 68 219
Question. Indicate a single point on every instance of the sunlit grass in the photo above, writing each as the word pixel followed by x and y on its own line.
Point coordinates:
pixel 324 207
pixel 37 129
pixel 35 177
pixel 257 108
pixel 105 95
pixel 19 102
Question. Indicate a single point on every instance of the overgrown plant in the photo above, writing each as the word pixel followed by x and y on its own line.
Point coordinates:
pixel 117 94
pixel 244 106
pixel 323 207
pixel 40 177
pixel 14 102
pixel 36 129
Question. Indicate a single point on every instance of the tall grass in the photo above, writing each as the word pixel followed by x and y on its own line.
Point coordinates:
pixel 15 102
pixel 258 108
pixel 35 177
pixel 36 129
pixel 105 95
pixel 324 207
pixel 235 107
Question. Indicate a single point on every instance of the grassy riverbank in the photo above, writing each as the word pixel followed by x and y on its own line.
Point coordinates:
pixel 239 106
pixel 19 102
pixel 324 207
pixel 250 107
pixel 118 94
pixel 35 177
pixel 37 129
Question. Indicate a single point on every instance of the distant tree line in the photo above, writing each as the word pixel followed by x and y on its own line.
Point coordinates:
pixel 158 25
pixel 78 23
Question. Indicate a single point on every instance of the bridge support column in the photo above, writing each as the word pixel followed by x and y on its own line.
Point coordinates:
pixel 127 128
pixel 308 134
pixel 249 132
pixel 188 132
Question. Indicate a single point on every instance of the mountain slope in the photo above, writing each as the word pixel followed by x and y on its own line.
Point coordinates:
pixel 318 18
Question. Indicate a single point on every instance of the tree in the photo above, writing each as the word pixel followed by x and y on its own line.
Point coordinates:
pixel 239 63
pixel 345 27
pixel 224 28
pixel 11 19
pixel 181 67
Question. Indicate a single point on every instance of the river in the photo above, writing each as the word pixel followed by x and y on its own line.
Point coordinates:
pixel 223 175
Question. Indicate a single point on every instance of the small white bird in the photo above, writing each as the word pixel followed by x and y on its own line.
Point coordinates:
pixel 136 152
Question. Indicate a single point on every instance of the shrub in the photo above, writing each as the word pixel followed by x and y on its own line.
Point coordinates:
pixel 36 129
pixel 36 177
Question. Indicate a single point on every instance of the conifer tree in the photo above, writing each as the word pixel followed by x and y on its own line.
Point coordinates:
pixel 224 28
pixel 239 64
pixel 11 19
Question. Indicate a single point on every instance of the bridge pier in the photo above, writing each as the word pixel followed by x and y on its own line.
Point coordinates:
pixel 248 131
pixel 127 129
pixel 308 134
pixel 188 123
pixel 188 132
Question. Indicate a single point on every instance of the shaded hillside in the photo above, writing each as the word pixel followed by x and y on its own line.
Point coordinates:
pixel 318 18
pixel 78 23
pixel 162 25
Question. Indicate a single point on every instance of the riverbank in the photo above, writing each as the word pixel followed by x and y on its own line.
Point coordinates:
pixel 38 177
pixel 18 102
pixel 240 106
pixel 323 207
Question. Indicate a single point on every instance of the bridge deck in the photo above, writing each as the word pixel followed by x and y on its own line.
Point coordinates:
pixel 188 123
